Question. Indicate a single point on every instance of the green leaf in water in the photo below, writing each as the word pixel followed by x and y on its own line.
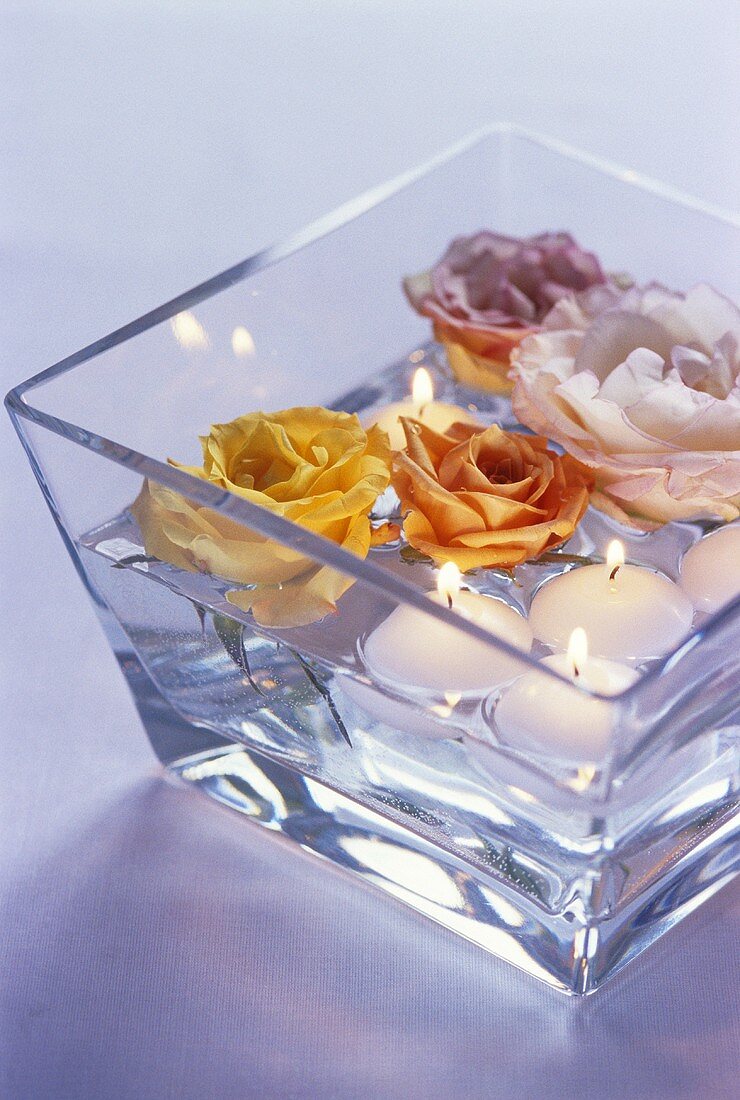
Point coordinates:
pixel 325 695
pixel 411 556
pixel 554 557
pixel 231 635
pixel 132 559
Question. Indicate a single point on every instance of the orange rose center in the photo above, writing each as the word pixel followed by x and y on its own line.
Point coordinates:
pixel 499 472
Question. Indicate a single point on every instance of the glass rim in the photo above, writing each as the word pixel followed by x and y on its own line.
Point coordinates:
pixel 261 519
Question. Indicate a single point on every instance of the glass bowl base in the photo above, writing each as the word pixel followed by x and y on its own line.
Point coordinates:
pixel 572 918
pixel 575 956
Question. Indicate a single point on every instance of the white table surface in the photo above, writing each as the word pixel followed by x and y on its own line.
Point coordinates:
pixel 151 947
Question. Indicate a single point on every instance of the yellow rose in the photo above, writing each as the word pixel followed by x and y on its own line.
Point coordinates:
pixel 485 497
pixel 317 468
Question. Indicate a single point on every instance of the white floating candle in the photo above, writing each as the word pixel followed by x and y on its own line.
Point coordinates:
pixel 540 715
pixel 411 652
pixel 630 613
pixel 419 406
pixel 405 717
pixel 710 570
pixel 410 648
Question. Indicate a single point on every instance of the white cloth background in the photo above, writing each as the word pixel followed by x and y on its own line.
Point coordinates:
pixel 151 946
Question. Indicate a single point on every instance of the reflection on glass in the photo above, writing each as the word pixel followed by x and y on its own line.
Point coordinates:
pixel 242 342
pixel 188 331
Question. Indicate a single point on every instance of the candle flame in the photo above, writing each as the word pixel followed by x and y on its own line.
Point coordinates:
pixel 614 558
pixel 448 581
pixel 422 389
pixel 577 651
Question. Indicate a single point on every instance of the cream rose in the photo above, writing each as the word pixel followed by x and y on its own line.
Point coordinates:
pixel 318 468
pixel 644 387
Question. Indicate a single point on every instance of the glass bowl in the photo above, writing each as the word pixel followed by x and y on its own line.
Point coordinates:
pixel 565 864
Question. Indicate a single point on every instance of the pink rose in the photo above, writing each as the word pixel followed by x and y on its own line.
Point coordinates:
pixel 489 291
pixel 644 387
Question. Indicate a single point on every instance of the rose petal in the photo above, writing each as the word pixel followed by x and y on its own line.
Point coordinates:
pixel 662 429
pixel 317 468
pixel 488 290
pixel 485 498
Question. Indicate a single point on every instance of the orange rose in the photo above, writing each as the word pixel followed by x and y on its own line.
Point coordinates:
pixel 484 498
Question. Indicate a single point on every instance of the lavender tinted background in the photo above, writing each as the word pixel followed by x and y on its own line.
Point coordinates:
pixel 149 947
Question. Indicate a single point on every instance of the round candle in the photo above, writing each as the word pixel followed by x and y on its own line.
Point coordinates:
pixel 710 570
pixel 540 715
pixel 412 649
pixel 629 612
pixel 406 717
pixel 419 406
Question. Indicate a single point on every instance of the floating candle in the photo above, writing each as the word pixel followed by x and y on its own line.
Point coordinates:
pixel 710 570
pixel 540 715
pixel 410 648
pixel 630 612
pixel 409 651
pixel 410 718
pixel 419 406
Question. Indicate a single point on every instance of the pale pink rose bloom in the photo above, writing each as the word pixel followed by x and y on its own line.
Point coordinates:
pixel 488 290
pixel 643 386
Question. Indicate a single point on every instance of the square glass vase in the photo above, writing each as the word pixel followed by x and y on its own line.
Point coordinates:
pixel 565 863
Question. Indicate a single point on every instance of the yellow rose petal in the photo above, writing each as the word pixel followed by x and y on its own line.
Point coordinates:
pixel 317 468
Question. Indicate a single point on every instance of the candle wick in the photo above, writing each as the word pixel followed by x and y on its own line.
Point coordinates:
pixel 614 572
pixel 576 671
pixel 449 601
